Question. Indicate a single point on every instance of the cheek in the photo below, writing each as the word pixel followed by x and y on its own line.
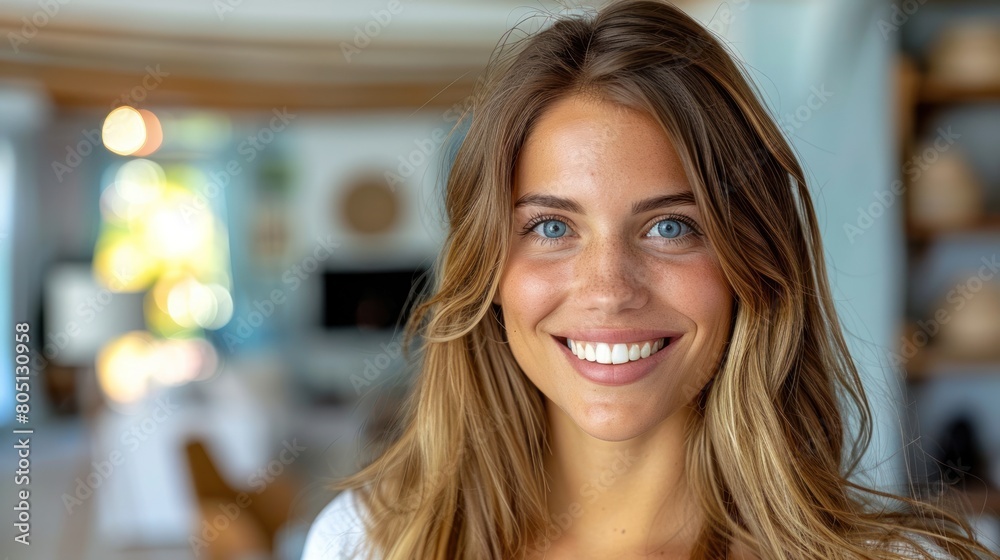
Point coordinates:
pixel 702 294
pixel 529 290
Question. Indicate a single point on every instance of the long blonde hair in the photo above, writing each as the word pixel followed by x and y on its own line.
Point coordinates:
pixel 768 454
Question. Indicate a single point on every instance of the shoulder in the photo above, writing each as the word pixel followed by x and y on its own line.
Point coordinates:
pixel 338 533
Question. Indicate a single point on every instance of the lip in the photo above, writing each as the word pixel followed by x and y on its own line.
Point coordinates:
pixel 616 375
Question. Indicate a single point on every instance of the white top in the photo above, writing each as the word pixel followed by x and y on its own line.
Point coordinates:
pixel 338 532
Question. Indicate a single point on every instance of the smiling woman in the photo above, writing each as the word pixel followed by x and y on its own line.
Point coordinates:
pixel 631 348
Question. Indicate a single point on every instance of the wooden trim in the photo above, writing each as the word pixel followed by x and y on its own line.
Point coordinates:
pixel 86 66
pixel 74 87
pixel 936 92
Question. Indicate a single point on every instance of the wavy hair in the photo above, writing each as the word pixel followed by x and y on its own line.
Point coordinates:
pixel 768 453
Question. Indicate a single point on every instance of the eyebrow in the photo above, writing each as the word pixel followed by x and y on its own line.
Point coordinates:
pixel 570 205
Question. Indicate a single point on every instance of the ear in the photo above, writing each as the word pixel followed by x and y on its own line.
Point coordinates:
pixel 496 298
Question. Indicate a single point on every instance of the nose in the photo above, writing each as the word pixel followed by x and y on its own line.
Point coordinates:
pixel 610 277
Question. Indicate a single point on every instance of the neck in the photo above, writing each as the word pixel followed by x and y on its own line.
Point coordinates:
pixel 625 496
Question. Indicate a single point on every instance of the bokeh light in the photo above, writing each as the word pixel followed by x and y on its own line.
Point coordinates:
pixel 154 134
pixel 191 303
pixel 140 182
pixel 176 362
pixel 124 131
pixel 123 265
pixel 123 367
pixel 175 229
pixel 130 367
pixel 224 307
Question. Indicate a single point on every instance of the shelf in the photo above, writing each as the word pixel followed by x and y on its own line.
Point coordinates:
pixel 933 92
pixel 988 225
pixel 928 364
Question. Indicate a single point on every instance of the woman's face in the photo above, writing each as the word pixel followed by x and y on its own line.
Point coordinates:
pixel 607 251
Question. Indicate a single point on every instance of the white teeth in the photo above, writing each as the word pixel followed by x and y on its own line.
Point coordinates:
pixel 619 353
pixel 605 353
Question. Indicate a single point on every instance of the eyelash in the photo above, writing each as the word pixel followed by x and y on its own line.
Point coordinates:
pixel 541 218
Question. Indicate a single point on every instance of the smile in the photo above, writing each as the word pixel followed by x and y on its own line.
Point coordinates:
pixel 621 359
pixel 615 353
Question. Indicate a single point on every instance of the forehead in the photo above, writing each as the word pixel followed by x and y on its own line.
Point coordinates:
pixel 586 143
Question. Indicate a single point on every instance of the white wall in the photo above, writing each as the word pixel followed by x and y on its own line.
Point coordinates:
pixel 847 147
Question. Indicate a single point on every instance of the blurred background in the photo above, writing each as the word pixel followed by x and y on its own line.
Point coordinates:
pixel 213 215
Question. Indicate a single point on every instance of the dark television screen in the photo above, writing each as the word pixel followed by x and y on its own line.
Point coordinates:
pixel 377 299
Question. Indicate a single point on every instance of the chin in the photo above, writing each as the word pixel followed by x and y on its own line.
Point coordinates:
pixel 615 421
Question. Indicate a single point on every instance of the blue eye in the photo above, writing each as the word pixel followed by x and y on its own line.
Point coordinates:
pixel 551 229
pixel 671 228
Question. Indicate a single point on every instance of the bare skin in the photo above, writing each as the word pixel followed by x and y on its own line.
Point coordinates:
pixel 616 468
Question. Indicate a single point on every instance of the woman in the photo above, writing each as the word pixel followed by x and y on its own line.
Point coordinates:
pixel 631 348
